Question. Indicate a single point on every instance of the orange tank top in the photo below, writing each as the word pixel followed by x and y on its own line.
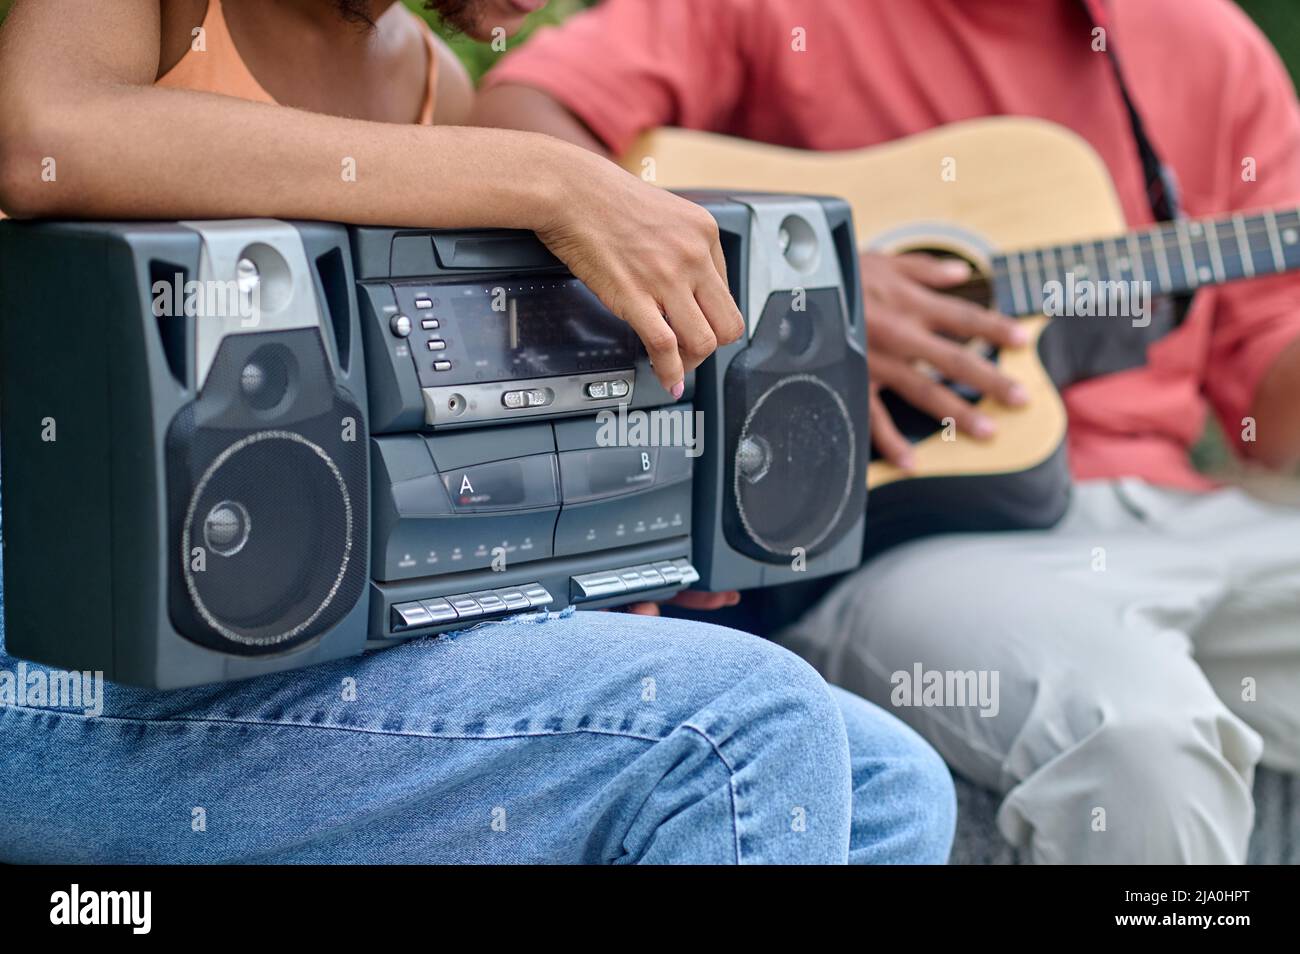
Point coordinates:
pixel 220 68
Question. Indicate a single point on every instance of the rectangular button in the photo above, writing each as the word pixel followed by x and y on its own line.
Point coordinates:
pixel 591 586
pixel 409 616
pixel 514 599
pixel 442 365
pixel 437 344
pixel 650 575
pixel 440 610
pixel 466 606
pixel 423 303
pixel 429 324
pixel 619 388
pixel 689 574
pixel 489 601
pixel 670 573
pixel 598 390
pixel 632 579
pixel 538 595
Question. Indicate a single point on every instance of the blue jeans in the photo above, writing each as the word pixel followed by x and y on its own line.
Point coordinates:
pixel 594 737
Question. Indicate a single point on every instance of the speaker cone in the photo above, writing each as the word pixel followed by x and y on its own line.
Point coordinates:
pixel 794 465
pixel 268 538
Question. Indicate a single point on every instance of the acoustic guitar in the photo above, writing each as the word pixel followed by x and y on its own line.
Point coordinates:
pixel 1028 203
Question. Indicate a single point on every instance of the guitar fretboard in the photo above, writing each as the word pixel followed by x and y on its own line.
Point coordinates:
pixel 1174 257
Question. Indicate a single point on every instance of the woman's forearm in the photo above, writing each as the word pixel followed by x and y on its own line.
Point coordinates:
pixel 146 152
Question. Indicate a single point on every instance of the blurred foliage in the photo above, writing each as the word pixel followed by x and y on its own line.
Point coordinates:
pixel 1280 20
pixel 479 57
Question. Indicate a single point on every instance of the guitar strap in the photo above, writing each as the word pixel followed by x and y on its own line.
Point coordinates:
pixel 1161 182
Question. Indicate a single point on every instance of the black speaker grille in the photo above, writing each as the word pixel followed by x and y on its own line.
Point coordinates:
pixel 794 465
pixel 796 430
pixel 269 505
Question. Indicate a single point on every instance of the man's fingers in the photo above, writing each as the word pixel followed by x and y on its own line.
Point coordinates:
pixel 964 319
pixel 959 363
pixel 933 270
pixel 687 599
pixel 926 394
pixel 660 343
pixel 886 436
pixel 699 600
pixel 642 609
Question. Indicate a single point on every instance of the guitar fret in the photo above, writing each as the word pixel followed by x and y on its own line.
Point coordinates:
pixel 1216 254
pixel 1110 248
pixel 1290 233
pixel 1161 256
pixel 1090 254
pixel 1243 243
pixel 1135 251
pixel 1189 259
pixel 1036 285
pixel 1016 276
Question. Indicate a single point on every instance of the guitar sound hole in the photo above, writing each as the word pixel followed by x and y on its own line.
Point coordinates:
pixel 916 425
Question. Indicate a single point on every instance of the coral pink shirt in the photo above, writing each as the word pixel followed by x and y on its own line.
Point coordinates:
pixel 1210 87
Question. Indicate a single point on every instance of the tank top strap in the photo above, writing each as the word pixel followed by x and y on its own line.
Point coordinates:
pixel 212 64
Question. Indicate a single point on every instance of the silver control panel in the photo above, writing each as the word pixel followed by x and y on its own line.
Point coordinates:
pixel 471 607
pixel 631 580
pixel 511 400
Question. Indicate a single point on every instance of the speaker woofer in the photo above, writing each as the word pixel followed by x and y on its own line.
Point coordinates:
pixel 794 466
pixel 268 500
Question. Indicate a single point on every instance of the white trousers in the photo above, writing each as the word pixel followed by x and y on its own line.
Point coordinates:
pixel 1145 655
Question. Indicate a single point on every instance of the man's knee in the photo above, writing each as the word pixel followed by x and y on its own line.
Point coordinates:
pixel 1150 783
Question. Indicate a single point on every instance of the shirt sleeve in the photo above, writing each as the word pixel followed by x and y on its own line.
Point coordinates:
pixel 627 66
pixel 1256 320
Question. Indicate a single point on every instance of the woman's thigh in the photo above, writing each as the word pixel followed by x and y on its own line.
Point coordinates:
pixel 587 737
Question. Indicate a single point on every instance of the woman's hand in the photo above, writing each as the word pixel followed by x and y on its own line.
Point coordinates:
pixel 653 258
pixel 909 320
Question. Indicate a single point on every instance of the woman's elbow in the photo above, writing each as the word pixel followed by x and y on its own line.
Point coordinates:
pixel 29 167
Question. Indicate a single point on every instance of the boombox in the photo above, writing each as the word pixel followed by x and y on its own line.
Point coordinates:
pixel 232 448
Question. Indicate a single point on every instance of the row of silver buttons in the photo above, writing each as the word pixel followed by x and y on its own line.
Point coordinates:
pixel 632 579
pixel 446 609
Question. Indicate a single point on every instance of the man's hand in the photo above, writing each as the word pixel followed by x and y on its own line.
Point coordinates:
pixel 653 258
pixel 688 599
pixel 910 321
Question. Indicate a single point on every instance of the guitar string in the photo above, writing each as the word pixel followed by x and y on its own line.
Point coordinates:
pixel 1231 253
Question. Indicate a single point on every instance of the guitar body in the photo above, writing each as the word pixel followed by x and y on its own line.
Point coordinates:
pixel 973 189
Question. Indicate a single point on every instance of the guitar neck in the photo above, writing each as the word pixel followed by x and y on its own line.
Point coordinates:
pixel 1174 257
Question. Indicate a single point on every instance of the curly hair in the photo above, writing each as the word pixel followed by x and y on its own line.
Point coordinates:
pixel 357 11
pixel 459 15
pixel 456 14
